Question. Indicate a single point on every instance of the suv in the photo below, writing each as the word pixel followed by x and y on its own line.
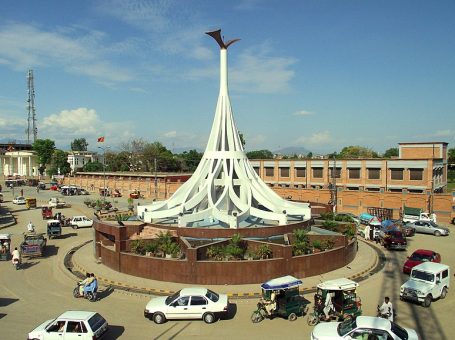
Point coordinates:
pixel 392 239
pixel 428 281
pixel 79 325
pixel 80 222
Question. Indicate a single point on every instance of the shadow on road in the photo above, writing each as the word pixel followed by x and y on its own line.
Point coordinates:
pixel 50 250
pixel 2 315
pixel 64 236
pixel 114 332
pixel 7 301
pixel 231 312
pixel 27 264
pixel 105 292
pixel 426 321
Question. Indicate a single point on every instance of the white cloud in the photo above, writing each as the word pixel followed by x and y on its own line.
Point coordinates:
pixel 316 138
pixel 303 113
pixel 170 134
pixel 65 126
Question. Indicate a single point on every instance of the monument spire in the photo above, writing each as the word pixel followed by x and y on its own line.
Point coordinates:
pixel 224 189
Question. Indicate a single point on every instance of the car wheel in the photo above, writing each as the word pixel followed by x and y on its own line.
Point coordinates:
pixel 292 317
pixel 437 233
pixel 74 226
pixel 159 318
pixel 427 301
pixel 312 320
pixel 444 292
pixel 208 318
pixel 76 292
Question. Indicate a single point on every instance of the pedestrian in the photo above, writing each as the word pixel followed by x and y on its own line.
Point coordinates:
pixel 37 188
pixel 22 192
pixel 386 308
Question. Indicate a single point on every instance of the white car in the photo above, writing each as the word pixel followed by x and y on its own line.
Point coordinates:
pixel 79 325
pixel 188 303
pixel 19 200
pixel 80 222
pixel 360 328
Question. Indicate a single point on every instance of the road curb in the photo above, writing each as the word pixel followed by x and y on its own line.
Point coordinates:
pixel 78 270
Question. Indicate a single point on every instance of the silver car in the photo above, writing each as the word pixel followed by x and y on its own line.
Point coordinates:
pixel 429 227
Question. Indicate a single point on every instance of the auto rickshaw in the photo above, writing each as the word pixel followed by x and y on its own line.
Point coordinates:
pixel 135 194
pixel 46 212
pixel 116 193
pixel 54 228
pixel 340 298
pixel 5 247
pixel 280 297
pixel 30 202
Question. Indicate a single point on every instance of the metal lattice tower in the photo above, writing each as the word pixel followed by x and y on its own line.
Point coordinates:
pixel 31 120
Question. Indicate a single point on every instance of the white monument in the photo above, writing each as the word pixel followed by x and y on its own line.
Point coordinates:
pixel 224 189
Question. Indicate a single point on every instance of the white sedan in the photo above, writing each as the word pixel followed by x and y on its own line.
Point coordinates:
pixel 188 303
pixel 19 200
pixel 80 325
pixel 361 328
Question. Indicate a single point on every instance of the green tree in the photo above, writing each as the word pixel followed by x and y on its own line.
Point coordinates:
pixel 260 154
pixel 135 150
pixel 117 161
pixel 59 161
pixel 451 155
pixel 189 160
pixel 93 167
pixel 242 139
pixel 44 149
pixel 357 152
pixel 79 144
pixel 309 155
pixel 392 152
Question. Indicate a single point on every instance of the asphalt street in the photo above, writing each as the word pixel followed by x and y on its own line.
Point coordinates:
pixel 42 290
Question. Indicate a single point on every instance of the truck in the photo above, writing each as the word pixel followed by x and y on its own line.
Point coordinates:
pixel 56 202
pixel 33 245
pixel 417 214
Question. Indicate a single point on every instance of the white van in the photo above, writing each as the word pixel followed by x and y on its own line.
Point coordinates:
pixel 428 281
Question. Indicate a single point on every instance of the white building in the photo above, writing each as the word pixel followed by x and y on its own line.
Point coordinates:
pixel 78 159
pixel 20 163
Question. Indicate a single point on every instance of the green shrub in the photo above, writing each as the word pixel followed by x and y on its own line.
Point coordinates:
pixel 138 247
pixel 317 244
pixel 216 253
pixel 264 252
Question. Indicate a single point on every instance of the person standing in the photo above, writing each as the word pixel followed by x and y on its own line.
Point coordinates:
pixel 367 232
pixel 386 309
pixel 22 192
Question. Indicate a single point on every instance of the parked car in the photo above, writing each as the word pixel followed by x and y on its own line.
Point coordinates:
pixel 392 239
pixel 79 325
pixel 420 256
pixel 428 281
pixel 429 227
pixel 188 303
pixel 19 200
pixel 361 328
pixel 80 222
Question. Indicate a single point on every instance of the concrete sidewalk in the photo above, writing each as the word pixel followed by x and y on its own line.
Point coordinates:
pixel 83 261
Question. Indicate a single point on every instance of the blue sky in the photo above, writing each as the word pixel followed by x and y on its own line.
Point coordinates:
pixel 319 74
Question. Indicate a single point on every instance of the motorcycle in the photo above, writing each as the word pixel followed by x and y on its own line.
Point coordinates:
pixel 90 295
pixel 385 315
pixel 16 263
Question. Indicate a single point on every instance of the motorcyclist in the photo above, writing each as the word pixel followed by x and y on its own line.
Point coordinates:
pixel 30 227
pixel 92 286
pixel 328 305
pixel 16 256
pixel 84 283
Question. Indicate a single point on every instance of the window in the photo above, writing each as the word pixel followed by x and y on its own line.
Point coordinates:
pixel 337 172
pixel 396 174
pixel 353 188
pixel 374 173
pixel 354 173
pixel 445 273
pixel 415 174
pixel 256 169
pixel 395 190
pixel 198 301
pixel 317 172
pixel 269 172
pixel 372 189
pixel 300 172
pixel 284 172
pixel 183 301
pixel 75 327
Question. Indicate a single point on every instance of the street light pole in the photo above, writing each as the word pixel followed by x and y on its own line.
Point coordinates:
pixel 104 170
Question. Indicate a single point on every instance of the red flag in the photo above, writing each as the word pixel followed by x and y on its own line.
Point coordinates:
pixel 101 139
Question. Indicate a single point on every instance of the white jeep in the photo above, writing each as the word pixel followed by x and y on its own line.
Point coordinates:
pixel 428 281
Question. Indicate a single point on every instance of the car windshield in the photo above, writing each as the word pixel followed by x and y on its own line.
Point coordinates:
pixel 399 331
pixel 171 298
pixel 420 257
pixel 212 295
pixel 346 326
pixel 417 274
pixel 96 321
pixel 433 224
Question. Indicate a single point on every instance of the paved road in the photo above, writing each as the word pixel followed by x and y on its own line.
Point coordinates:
pixel 42 290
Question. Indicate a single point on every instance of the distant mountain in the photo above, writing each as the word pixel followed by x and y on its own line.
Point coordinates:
pixel 292 150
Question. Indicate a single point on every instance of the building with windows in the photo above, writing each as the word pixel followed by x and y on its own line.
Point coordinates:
pixel 77 159
pixel 17 159
pixel 419 168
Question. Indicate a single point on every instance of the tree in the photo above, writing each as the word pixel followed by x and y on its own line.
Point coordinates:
pixel 242 139
pixel 44 149
pixel 93 167
pixel 451 155
pixel 135 150
pixel 79 144
pixel 59 161
pixel 189 160
pixel 357 152
pixel 392 152
pixel 117 161
pixel 260 154
pixel 309 155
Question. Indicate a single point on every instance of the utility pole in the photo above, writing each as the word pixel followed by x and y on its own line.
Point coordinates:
pixel 334 184
pixel 156 181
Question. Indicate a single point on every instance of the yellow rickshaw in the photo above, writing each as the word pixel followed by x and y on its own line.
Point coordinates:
pixel 30 202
